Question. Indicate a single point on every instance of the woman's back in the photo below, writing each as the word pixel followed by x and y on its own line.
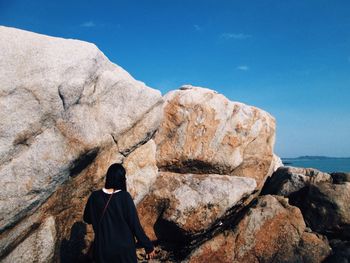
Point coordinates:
pixel 114 235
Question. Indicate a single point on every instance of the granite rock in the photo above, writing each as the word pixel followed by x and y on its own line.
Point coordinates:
pixel 204 132
pixel 326 208
pixel 63 106
pixel 141 170
pixel 189 204
pixel 287 180
pixel 270 231
pixel 38 247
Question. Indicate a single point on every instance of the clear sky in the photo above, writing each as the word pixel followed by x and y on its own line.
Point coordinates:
pixel 290 58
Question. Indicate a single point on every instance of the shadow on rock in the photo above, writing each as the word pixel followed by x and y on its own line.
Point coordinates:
pixel 71 250
pixel 341 252
pixel 171 238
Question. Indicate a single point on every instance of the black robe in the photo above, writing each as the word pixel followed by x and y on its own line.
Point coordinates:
pixel 115 236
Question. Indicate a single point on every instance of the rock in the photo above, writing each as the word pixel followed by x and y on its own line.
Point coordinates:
pixel 188 204
pixel 204 132
pixel 339 177
pixel 313 248
pixel 38 247
pixel 325 207
pixel 64 106
pixel 277 161
pixel 213 156
pixel 141 170
pixel 340 253
pixel 287 180
pixel 220 249
pixel 271 231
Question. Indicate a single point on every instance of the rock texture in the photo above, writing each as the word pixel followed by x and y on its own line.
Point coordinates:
pixel 220 249
pixel 287 180
pixel 277 162
pixel 38 247
pixel 324 199
pixel 204 132
pixel 213 155
pixel 271 231
pixel 64 106
pixel 326 208
pixel 141 170
pixel 190 203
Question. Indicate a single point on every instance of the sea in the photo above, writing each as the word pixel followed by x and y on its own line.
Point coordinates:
pixel 327 165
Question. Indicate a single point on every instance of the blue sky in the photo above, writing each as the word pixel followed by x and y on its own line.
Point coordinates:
pixel 290 58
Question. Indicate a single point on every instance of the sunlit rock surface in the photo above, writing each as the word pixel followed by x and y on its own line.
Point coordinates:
pixel 63 105
pixel 204 132
pixel 270 231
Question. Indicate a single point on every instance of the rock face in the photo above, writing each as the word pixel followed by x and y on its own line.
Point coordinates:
pixel 271 231
pixel 277 162
pixel 213 156
pixel 191 203
pixel 287 180
pixel 204 132
pixel 324 199
pixel 142 170
pixel 326 208
pixel 66 114
pixel 38 247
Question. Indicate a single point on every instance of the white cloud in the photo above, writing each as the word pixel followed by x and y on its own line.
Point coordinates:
pixel 88 24
pixel 238 36
pixel 197 28
pixel 243 68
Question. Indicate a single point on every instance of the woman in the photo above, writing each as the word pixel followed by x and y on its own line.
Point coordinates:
pixel 115 233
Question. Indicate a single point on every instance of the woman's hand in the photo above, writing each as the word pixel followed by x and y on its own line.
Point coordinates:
pixel 152 254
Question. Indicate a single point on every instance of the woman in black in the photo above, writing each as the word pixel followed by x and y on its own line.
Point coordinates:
pixel 115 233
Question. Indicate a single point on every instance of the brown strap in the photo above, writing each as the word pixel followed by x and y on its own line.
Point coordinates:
pixel 104 210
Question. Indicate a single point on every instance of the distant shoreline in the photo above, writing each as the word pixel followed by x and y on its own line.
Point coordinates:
pixel 310 157
pixel 322 163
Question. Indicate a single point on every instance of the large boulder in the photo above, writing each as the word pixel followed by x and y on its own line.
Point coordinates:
pixel 213 156
pixel 270 231
pixel 66 114
pixel 324 199
pixel 204 132
pixel 188 204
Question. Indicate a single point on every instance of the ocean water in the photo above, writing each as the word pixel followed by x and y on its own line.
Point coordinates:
pixel 328 165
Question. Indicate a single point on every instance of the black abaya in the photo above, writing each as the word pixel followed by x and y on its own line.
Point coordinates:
pixel 114 237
